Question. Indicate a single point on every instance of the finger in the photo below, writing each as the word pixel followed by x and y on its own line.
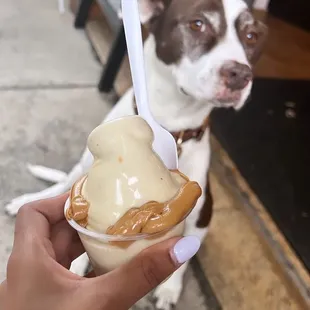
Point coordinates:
pixel 33 226
pixel 146 271
pixel 66 243
pixel 52 209
pixel 37 217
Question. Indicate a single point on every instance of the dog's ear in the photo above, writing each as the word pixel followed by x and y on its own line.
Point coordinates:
pixel 263 34
pixel 150 9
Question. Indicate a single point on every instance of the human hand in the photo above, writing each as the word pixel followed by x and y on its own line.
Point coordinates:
pixel 44 247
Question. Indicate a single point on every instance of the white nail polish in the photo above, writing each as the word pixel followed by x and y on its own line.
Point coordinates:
pixel 186 248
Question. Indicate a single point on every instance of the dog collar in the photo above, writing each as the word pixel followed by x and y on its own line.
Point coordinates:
pixel 184 135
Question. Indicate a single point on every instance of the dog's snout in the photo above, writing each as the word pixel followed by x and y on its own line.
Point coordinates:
pixel 235 75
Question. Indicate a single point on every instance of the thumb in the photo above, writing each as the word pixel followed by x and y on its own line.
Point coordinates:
pixel 132 281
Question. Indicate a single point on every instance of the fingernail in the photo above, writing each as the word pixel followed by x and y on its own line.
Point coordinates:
pixel 185 249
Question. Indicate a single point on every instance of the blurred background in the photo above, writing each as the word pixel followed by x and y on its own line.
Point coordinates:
pixel 62 68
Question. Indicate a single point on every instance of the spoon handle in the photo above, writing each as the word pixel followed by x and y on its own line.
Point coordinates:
pixel 132 26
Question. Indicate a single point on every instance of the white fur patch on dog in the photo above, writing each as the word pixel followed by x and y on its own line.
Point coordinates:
pixel 215 20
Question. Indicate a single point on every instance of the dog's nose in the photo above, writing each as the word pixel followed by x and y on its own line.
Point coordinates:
pixel 235 75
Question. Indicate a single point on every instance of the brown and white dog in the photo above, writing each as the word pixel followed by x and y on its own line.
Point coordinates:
pixel 199 56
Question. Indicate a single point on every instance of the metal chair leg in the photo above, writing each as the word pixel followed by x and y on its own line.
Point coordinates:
pixel 82 13
pixel 116 56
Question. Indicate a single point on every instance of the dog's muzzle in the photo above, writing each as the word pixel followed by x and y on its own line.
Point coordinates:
pixel 235 76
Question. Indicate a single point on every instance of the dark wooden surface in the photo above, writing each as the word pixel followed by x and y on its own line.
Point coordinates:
pixel 269 140
pixel 292 11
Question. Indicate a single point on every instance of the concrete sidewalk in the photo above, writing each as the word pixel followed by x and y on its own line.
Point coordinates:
pixel 48 98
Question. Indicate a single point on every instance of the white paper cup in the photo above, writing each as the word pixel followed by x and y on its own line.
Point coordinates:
pixel 105 256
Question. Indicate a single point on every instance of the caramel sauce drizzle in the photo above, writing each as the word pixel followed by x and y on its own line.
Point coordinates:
pixel 79 206
pixel 154 217
pixel 151 218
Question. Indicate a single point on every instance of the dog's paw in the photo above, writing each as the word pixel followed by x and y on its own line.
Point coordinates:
pixel 167 294
pixel 80 265
pixel 15 204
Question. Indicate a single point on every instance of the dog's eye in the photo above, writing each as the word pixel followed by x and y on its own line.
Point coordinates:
pixel 251 37
pixel 196 25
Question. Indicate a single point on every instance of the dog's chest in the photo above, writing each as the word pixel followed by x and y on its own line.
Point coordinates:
pixel 195 157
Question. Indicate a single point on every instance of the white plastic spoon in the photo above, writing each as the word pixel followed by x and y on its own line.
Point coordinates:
pixel 164 144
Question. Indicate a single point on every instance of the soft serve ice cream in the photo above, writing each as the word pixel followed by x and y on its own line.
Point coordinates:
pixel 128 192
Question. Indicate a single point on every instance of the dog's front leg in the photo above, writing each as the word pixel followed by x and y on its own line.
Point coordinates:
pixel 168 293
pixel 194 162
pixel 57 189
pixel 80 265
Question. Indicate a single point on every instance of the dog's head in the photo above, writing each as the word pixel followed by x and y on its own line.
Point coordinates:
pixel 209 45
